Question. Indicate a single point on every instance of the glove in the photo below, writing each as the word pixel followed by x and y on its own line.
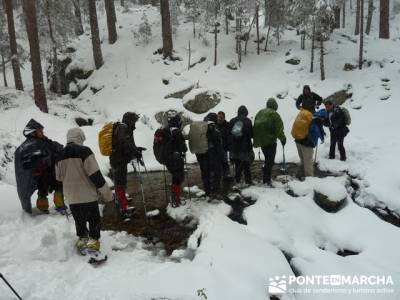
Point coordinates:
pixel 141 149
pixel 105 194
pixel 140 161
pixel 283 142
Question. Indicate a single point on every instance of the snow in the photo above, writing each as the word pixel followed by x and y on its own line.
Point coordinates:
pixel 223 259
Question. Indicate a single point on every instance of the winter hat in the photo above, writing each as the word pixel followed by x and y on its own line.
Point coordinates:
pixel 272 104
pixel 31 127
pixel 76 136
pixel 306 87
pixel 211 117
pixel 242 111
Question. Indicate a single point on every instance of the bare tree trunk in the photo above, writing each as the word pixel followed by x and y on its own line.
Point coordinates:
pixel 351 5
pixel 56 73
pixel 321 59
pixel 266 19
pixel 268 32
pixel 336 11
pixel 258 28
pixel 248 36
pixel 371 9
pixel 111 20
pixel 122 3
pixel 344 14
pixel 226 22
pixel 13 45
pixel 78 18
pixel 166 28
pixel 357 29
pixel 189 54
pixel 215 35
pixel 312 48
pixel 94 28
pixel 33 38
pixel 3 65
pixel 384 19
pixel 360 58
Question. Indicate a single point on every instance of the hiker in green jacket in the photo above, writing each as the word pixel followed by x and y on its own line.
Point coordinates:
pixel 268 127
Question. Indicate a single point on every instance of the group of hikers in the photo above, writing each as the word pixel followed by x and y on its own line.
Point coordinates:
pixel 73 174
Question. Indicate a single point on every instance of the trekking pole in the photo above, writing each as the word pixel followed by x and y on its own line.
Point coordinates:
pixel 316 151
pixel 165 186
pixel 141 186
pixel 188 179
pixel 9 285
pixel 285 167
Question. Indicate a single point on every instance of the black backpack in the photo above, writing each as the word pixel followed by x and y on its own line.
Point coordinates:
pixel 162 145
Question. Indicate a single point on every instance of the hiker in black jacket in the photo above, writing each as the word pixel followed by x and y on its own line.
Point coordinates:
pixel 175 162
pixel 240 144
pixel 337 128
pixel 223 127
pixel 308 100
pixel 211 161
pixel 35 169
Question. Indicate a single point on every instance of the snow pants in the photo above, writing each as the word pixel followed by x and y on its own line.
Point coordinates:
pixel 269 154
pixel 84 213
pixel 306 159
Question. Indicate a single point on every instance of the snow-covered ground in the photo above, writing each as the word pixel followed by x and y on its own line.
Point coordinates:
pixel 231 261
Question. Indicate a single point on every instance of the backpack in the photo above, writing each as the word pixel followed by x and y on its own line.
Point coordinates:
pixel 162 145
pixel 314 134
pixel 106 139
pixel 301 125
pixel 237 129
pixel 346 115
pixel 198 142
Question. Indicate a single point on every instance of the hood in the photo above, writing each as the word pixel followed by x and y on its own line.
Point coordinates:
pixel 211 117
pixel 272 104
pixel 321 114
pixel 242 111
pixel 76 136
pixel 31 127
pixel 306 88
pixel 130 118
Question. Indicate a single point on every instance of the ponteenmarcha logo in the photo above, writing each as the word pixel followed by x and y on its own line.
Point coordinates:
pixel 277 285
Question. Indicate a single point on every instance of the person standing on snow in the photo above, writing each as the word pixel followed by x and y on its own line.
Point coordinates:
pixel 338 129
pixel 240 145
pixel 79 172
pixel 124 151
pixel 175 161
pixel 305 146
pixel 211 161
pixel 223 127
pixel 308 100
pixel 268 127
pixel 34 169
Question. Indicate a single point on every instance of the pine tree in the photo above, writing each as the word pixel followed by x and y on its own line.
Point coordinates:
pixel 94 28
pixel 371 9
pixel 111 20
pixel 384 19
pixel 360 58
pixel 166 28
pixel 357 29
pixel 78 17
pixel 13 45
pixel 33 38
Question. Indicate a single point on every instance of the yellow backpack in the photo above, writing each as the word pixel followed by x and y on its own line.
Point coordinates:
pixel 105 139
pixel 301 125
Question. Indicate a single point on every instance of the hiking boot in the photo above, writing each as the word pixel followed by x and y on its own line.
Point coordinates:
pixel 176 194
pixel 81 244
pixel 127 214
pixel 42 204
pixel 343 158
pixel 93 245
pixel 58 199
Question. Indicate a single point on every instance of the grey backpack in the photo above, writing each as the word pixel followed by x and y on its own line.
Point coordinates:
pixel 347 115
pixel 198 142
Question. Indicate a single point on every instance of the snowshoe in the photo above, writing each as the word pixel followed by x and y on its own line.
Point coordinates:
pixel 127 215
pixel 81 246
pixel 96 257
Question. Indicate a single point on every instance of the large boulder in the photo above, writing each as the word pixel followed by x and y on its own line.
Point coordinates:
pixel 200 101
pixel 293 61
pixel 327 204
pixel 340 97
pixel 181 93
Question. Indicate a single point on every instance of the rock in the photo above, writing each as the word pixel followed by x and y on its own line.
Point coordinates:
pixel 282 95
pixel 340 97
pixel 83 122
pixel 180 94
pixel 385 79
pixel 385 97
pixel 162 118
pixel 200 101
pixel 165 81
pixel 62 64
pixel 327 204
pixel 349 67
pixel 293 61
pixel 232 66
pixel 96 89
pixel 201 60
